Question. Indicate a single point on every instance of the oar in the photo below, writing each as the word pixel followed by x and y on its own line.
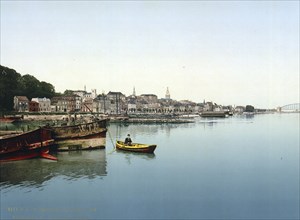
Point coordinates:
pixel 111 142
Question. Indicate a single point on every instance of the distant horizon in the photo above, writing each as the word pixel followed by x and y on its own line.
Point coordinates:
pixel 228 52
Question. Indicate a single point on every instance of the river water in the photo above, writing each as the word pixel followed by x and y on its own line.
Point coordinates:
pixel 241 167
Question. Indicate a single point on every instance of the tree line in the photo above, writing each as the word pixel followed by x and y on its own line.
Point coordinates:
pixel 13 84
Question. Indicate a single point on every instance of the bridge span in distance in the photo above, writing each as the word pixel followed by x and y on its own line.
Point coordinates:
pixel 295 107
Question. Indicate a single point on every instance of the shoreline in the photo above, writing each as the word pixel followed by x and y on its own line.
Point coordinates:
pixel 143 118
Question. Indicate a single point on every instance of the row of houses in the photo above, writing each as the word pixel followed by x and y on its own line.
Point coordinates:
pixel 22 104
pixel 113 103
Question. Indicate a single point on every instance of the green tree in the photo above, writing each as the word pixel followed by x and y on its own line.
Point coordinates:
pixel 249 108
pixel 46 90
pixel 30 86
pixel 14 84
pixel 9 87
pixel 68 92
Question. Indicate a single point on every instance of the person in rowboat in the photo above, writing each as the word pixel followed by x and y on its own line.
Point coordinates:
pixel 128 140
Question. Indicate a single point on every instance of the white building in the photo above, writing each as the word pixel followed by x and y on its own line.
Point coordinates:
pixel 44 104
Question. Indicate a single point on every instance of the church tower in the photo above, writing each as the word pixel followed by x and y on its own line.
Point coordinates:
pixel 168 94
pixel 133 91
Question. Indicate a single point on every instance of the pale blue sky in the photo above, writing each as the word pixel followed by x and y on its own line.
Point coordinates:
pixel 229 52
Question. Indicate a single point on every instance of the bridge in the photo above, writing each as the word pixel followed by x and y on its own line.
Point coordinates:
pixel 295 107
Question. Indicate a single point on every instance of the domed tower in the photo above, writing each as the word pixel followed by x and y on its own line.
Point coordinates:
pixel 168 94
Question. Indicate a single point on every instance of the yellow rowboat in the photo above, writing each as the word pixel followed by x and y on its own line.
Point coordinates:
pixel 135 147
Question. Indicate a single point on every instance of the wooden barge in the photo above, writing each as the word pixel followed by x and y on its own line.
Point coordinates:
pixel 85 136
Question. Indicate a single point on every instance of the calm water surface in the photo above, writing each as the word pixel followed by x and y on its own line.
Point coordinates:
pixel 234 168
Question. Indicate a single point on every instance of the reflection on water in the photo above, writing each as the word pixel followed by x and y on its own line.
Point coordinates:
pixel 81 144
pixel 238 167
pixel 214 121
pixel 121 130
pixel 71 165
pixel 134 155
pixel 23 125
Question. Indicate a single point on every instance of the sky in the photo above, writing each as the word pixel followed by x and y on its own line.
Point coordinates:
pixel 228 52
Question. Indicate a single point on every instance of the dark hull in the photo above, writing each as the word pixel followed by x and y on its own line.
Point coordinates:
pixel 23 155
pixel 26 145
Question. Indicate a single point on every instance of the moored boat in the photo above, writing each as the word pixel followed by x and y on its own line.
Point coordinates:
pixel 85 136
pixel 26 145
pixel 213 114
pixel 10 119
pixel 136 147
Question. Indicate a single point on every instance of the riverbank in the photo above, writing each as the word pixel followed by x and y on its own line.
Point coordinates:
pixel 150 120
pixel 111 118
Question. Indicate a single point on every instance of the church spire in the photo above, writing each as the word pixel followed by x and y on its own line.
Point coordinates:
pixel 133 91
pixel 168 94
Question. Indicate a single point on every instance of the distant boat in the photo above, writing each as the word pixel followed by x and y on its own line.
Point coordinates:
pixel 135 147
pixel 10 119
pixel 85 136
pixel 26 145
pixel 213 114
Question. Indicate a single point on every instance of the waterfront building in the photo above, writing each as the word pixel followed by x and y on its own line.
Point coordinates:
pixel 64 103
pixel 149 107
pixel 239 109
pixel 199 107
pixel 87 105
pixel 168 106
pixel 189 106
pixel 94 93
pixel 90 95
pixel 149 98
pixel 21 104
pixel 117 103
pixel 33 106
pixel 103 104
pixel 218 108
pixel 140 104
pixel 87 95
pixel 96 105
pixel 79 97
pixel 84 94
pixel 208 106
pixel 44 104
pixel 78 103
pixel 131 104
pixel 79 93
pixel 227 108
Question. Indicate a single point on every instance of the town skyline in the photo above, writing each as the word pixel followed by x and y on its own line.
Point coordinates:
pixel 231 52
pixel 31 91
pixel 167 95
